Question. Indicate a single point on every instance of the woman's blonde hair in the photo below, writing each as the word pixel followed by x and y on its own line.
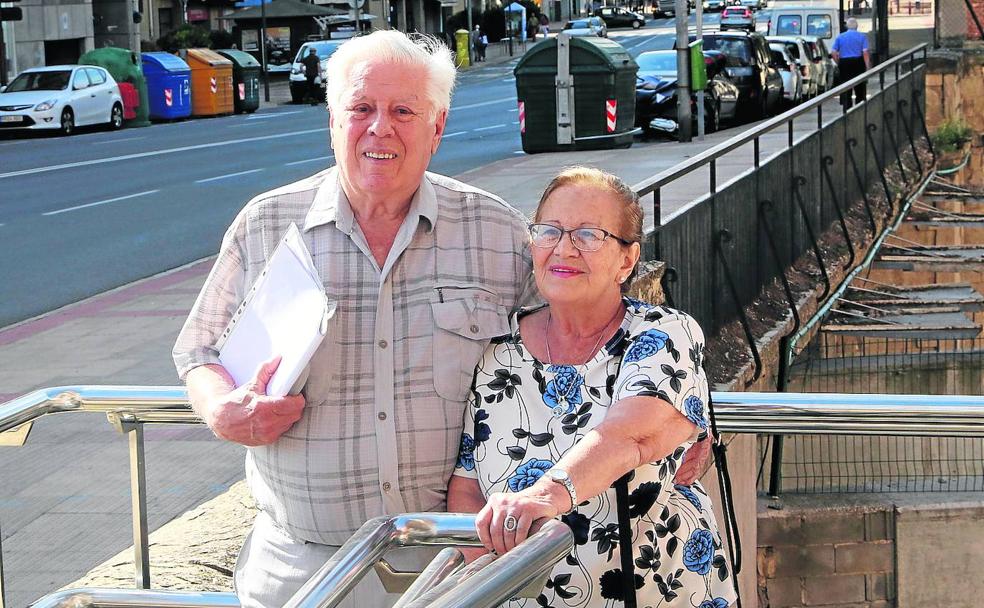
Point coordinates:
pixel 630 211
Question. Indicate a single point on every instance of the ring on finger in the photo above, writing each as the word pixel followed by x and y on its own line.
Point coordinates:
pixel 510 523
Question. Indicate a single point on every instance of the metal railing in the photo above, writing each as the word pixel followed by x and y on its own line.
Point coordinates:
pixel 776 210
pixel 129 408
pixel 491 581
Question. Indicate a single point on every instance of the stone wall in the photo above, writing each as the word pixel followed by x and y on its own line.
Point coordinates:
pixel 841 557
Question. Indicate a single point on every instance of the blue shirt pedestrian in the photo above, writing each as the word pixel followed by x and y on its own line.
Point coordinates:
pixel 851 44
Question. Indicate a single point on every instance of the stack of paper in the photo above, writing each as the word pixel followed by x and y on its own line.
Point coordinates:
pixel 285 314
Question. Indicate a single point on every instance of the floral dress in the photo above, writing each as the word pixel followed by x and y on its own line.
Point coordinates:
pixel 524 415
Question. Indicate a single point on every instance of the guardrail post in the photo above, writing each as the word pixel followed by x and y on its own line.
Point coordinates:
pixel 798 181
pixel 889 115
pixel 827 161
pixel 869 129
pixel 724 236
pixel 908 133
pixel 138 504
pixel 850 144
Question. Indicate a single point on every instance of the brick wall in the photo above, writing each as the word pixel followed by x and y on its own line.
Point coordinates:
pixel 972 32
pixel 840 558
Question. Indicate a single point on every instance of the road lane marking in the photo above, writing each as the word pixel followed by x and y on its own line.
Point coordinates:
pixel 483 103
pixel 227 175
pixel 113 159
pixel 113 141
pixel 109 200
pixel 262 116
pixel 490 128
pixel 308 160
pixel 455 134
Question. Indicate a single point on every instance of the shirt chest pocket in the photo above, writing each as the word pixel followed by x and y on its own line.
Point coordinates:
pixel 464 328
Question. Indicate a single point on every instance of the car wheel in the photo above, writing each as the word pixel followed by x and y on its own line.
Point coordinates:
pixel 116 117
pixel 636 25
pixel 67 121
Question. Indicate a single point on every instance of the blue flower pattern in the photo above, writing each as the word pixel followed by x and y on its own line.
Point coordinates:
pixel 528 441
pixel 527 474
pixel 567 384
pixel 645 345
pixel 694 409
pixel 466 453
pixel 698 552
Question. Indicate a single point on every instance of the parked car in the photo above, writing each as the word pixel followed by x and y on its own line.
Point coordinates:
pixel 811 72
pixel 656 92
pixel 737 18
pixel 61 97
pixel 820 21
pixel 298 82
pixel 614 16
pixel 821 57
pixel 748 65
pixel 715 5
pixel 752 4
pixel 792 80
pixel 665 8
pixel 589 26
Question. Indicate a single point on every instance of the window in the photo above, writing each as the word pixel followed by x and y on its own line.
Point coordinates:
pixel 788 25
pixel 95 76
pixel 793 49
pixel 819 26
pixel 80 81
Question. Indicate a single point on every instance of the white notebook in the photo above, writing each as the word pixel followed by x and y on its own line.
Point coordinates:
pixel 285 313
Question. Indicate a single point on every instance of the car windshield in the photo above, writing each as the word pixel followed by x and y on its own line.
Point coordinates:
pixel 40 81
pixel 324 47
pixel 657 62
pixel 818 25
pixel 788 24
pixel 576 25
pixel 737 50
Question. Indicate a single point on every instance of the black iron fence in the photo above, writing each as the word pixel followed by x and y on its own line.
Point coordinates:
pixel 741 237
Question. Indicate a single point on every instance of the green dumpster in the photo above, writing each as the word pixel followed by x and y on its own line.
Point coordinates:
pixel 124 66
pixel 245 80
pixel 590 107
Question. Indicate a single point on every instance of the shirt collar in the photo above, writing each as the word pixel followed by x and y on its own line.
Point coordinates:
pixel 331 205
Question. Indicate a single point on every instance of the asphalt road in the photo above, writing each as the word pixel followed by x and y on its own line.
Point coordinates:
pixel 85 214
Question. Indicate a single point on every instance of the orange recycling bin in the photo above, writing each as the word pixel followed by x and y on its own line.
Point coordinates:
pixel 211 83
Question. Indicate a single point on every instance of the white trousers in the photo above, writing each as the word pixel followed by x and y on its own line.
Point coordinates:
pixel 272 566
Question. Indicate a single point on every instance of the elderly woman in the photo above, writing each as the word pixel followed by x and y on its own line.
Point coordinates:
pixel 585 411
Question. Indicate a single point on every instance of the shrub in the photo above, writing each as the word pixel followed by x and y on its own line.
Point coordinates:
pixel 185 37
pixel 952 135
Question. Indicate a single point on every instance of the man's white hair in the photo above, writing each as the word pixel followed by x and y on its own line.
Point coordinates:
pixel 392 46
pixel 852 23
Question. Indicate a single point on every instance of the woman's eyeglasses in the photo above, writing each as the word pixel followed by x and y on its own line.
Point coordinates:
pixel 584 239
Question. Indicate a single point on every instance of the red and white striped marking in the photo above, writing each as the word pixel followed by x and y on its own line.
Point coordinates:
pixel 214 85
pixel 522 117
pixel 168 98
pixel 610 107
pixel 242 90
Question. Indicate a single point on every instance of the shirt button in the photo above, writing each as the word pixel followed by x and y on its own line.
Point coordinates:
pixel 383 344
pixel 559 410
pixel 386 486
pixel 381 415
pixel 474 329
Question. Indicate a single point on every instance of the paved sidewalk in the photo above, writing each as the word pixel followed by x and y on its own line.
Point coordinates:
pixel 65 505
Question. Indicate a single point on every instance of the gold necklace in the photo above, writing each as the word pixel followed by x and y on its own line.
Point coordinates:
pixel 594 349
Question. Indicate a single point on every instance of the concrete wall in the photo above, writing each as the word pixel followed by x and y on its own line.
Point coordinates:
pixel 49 20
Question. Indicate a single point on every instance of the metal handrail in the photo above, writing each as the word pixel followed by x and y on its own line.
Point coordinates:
pixel 773 413
pixel 491 583
pixel 129 407
pixel 679 170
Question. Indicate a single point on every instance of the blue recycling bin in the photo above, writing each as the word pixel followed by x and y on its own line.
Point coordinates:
pixel 168 86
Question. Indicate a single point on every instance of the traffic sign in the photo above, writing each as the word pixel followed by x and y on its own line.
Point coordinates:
pixel 356 3
pixel 246 3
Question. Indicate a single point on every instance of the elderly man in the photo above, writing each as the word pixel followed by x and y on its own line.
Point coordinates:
pixel 850 51
pixel 424 270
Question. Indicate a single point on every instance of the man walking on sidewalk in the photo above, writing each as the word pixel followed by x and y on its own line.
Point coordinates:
pixel 850 51
pixel 312 69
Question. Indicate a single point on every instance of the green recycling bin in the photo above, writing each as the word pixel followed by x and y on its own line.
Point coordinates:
pixel 124 66
pixel 596 111
pixel 245 80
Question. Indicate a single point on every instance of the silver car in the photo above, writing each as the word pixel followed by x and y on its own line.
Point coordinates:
pixel 792 82
pixel 811 71
pixel 61 97
pixel 588 26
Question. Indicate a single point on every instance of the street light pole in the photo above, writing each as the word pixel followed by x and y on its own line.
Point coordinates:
pixel 683 70
pixel 263 53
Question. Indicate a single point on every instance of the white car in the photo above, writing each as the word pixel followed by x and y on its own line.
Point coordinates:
pixel 792 79
pixel 811 72
pixel 587 26
pixel 298 83
pixel 61 97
